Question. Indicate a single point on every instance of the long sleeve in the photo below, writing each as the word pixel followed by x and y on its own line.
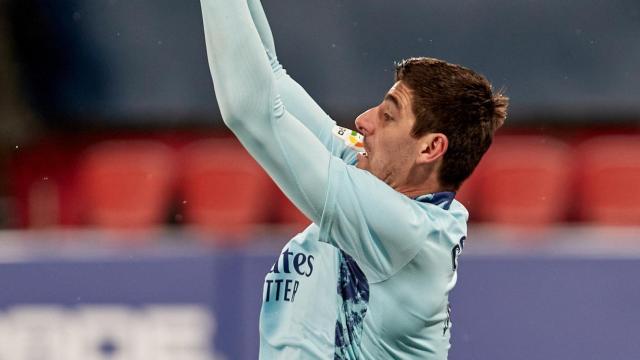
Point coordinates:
pixel 294 97
pixel 262 26
pixel 250 106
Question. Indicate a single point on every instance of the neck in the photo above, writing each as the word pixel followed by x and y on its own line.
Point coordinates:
pixel 415 191
pixel 420 181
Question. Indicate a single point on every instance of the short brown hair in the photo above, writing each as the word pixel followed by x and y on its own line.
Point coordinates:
pixel 457 102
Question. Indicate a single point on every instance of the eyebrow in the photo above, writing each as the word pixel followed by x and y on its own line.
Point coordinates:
pixel 393 99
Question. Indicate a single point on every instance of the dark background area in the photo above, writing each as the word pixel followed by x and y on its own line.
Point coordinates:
pixel 143 62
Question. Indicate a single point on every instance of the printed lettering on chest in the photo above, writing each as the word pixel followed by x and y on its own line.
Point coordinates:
pixel 291 268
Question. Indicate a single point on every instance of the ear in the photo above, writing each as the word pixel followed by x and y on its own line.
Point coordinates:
pixel 432 147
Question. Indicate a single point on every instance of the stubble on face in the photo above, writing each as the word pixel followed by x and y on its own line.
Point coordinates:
pixel 391 148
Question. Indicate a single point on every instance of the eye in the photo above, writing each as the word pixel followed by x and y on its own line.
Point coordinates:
pixel 387 117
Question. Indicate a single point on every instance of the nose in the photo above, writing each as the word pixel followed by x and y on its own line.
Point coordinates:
pixel 364 122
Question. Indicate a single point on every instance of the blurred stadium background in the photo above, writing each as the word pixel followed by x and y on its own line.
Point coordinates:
pixel 135 227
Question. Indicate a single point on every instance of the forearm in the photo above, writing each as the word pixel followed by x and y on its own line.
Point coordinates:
pixel 241 73
pixel 262 25
pixel 295 98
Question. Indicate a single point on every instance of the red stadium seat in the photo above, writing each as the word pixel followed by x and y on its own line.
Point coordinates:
pixel 609 180
pixel 467 195
pixel 126 184
pixel 224 190
pixel 524 180
pixel 39 177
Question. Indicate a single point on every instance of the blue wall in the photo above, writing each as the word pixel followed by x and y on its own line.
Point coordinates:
pixel 546 308
pixel 504 307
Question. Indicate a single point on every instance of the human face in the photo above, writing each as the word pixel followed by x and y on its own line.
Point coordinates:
pixel 391 151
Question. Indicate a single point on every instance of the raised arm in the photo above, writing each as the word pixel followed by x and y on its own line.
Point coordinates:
pixel 295 98
pixel 334 195
pixel 251 107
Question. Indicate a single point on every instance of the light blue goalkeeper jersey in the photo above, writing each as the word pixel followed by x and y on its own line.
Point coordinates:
pixel 321 303
pixel 370 278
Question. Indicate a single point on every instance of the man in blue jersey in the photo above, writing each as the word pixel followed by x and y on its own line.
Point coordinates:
pixel 370 277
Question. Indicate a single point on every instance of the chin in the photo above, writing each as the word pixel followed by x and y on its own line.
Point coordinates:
pixel 362 162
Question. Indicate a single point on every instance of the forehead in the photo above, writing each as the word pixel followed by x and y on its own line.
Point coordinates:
pixel 399 86
pixel 401 96
pixel 400 92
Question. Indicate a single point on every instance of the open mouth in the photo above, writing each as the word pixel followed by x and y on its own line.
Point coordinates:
pixel 365 149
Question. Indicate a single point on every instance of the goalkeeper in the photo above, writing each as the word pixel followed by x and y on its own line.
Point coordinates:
pixel 370 277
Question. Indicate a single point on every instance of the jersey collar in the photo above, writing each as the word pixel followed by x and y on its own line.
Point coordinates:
pixel 442 199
